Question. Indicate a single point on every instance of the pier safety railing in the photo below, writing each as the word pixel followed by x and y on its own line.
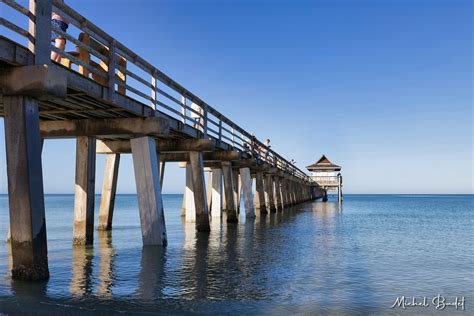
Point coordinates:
pixel 102 58
pixel 326 180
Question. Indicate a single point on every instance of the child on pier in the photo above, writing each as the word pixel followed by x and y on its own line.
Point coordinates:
pixel 58 40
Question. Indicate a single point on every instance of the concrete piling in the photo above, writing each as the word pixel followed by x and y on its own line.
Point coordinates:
pixel 230 208
pixel 216 196
pixel 269 194
pixel 190 209
pixel 150 203
pixel 25 189
pixel 246 178
pixel 109 188
pixel 199 186
pixel 259 197
pixel 84 192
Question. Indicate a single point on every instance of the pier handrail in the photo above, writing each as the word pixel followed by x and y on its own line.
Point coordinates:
pixel 158 90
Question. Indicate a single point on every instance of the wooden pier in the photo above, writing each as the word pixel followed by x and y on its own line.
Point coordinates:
pixel 113 102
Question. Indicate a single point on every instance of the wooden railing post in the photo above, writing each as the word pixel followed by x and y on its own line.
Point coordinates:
pixel 232 136
pixel 111 70
pixel 183 109
pixel 40 31
pixel 220 131
pixel 153 90
pixel 205 113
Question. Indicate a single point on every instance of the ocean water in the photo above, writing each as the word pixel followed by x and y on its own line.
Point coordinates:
pixel 315 258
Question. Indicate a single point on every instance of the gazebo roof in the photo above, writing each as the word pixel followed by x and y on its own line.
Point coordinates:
pixel 323 164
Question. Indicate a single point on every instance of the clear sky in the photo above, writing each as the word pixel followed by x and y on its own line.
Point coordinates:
pixel 383 88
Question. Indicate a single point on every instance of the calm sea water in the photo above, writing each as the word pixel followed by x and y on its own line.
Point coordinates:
pixel 311 259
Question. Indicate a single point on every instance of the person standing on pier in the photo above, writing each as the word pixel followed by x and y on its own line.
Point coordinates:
pixel 197 116
pixel 59 41
pixel 267 148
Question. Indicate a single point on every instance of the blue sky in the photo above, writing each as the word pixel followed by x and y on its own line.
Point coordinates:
pixel 383 88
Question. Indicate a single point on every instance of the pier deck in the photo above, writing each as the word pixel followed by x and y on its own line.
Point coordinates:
pixel 114 102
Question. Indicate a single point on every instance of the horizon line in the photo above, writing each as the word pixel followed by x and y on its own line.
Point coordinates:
pixel 5 194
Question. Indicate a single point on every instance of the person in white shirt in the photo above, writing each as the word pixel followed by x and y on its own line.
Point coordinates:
pixel 197 117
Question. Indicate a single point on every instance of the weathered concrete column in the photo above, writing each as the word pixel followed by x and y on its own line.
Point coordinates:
pixel 281 191
pixel 293 192
pixel 259 198
pixel 183 204
pixel 162 173
pixel 237 187
pixel 278 195
pixel 190 209
pixel 216 196
pixel 9 233
pixel 325 195
pixel 209 190
pixel 302 192
pixel 150 202
pixel 229 192
pixel 109 188
pixel 84 193
pixel 246 178
pixel 288 192
pixel 339 189
pixel 199 186
pixel 269 194
pixel 284 196
pixel 25 189
pixel 293 197
pixel 223 193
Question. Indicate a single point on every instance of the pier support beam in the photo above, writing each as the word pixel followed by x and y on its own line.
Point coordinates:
pixel 25 189
pixel 283 190
pixel 259 199
pixel 339 189
pixel 199 186
pixel 325 195
pixel 230 209
pixel 246 178
pixel 269 194
pixel 189 207
pixel 162 174
pixel 216 196
pixel 150 203
pixel 237 187
pixel 209 191
pixel 109 189
pixel 278 193
pixel 183 204
pixel 84 193
pixel 292 192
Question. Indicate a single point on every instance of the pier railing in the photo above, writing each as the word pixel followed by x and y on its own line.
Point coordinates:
pixel 326 180
pixel 102 58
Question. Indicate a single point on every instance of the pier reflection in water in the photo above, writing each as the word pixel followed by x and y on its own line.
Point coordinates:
pixel 311 258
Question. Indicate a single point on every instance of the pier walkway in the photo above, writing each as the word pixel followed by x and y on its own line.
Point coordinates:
pixel 113 102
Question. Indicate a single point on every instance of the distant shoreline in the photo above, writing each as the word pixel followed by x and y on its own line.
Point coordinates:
pixel 345 194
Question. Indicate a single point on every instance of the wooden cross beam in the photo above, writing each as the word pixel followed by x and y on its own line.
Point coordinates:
pixel 208 157
pixel 39 81
pixel 121 127
pixel 162 146
pixel 236 163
